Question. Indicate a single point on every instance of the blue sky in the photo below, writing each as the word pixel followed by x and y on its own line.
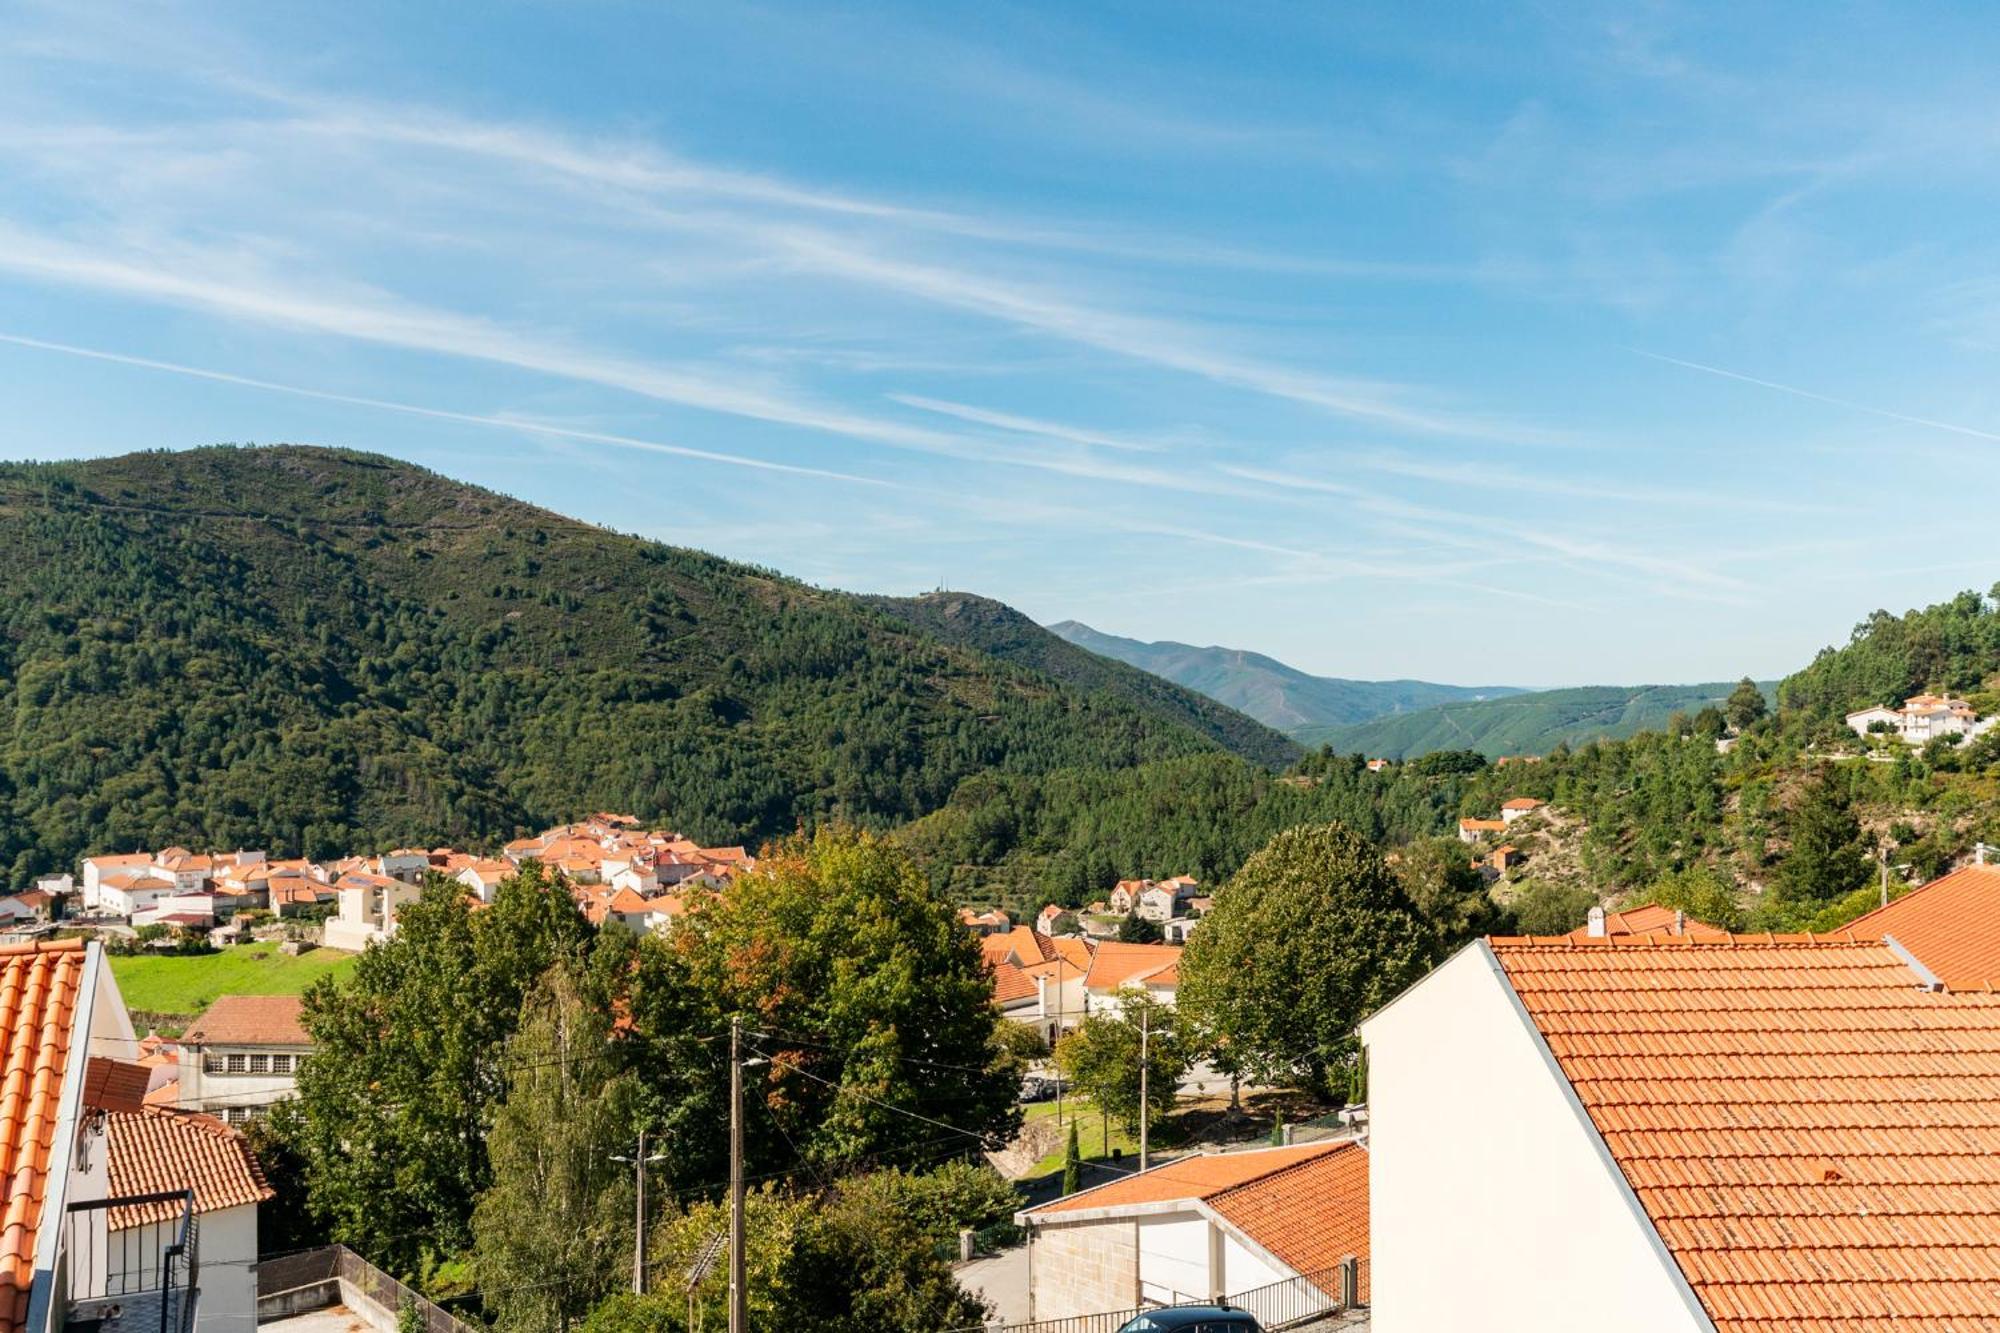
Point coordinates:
pixel 1541 344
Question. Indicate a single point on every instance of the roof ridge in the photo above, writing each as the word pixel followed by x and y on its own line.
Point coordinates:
pixel 74 945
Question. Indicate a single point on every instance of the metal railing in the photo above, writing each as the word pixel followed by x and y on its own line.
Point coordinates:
pixel 343 1274
pixel 133 1262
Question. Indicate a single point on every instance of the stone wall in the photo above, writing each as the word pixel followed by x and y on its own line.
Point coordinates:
pixel 1084 1268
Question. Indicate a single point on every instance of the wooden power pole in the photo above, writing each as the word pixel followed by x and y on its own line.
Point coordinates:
pixel 1145 1106
pixel 739 1307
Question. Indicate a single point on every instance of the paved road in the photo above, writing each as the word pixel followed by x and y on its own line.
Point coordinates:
pixel 1001 1279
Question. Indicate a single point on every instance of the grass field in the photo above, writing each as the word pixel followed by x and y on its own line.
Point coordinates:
pixel 185 984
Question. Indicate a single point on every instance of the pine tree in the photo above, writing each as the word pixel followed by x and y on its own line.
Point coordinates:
pixel 1072 1164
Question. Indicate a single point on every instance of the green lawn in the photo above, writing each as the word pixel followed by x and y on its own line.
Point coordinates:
pixel 185 984
pixel 1090 1135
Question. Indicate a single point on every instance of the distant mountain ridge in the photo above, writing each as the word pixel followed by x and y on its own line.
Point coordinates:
pixel 1264 688
pixel 998 630
pixel 1527 723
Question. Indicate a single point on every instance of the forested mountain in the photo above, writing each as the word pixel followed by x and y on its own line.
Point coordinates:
pixel 998 629
pixel 1531 723
pixel 1266 689
pixel 1787 813
pixel 320 651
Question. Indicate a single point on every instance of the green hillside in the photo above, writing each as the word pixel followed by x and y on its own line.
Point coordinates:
pixel 1264 688
pixel 1532 723
pixel 998 629
pixel 315 650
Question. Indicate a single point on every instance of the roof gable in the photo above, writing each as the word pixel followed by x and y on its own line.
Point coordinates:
pixel 1814 1137
pixel 160 1149
pixel 1199 1177
pixel 40 985
pixel 1951 925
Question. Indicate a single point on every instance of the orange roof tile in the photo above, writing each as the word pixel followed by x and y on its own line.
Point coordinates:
pixel 1815 1137
pixel 1071 950
pixel 1951 925
pixel 1012 984
pixel 254 1020
pixel 156 1150
pixel 1114 964
pixel 1022 944
pixel 1651 919
pixel 1311 1215
pixel 1523 803
pixel 1201 1176
pixel 38 994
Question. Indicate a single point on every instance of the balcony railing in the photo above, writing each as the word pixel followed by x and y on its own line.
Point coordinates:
pixel 133 1263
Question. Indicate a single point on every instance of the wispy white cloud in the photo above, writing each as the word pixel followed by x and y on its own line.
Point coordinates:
pixel 1929 423
pixel 1054 430
pixel 516 424
pixel 1486 476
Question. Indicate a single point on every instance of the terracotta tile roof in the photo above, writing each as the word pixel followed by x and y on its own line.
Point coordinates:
pixel 1482 825
pixel 1114 964
pixel 1201 1176
pixel 156 1150
pixel 1022 945
pixel 1071 950
pixel 1310 1215
pixel 1651 920
pixel 1815 1137
pixel 38 995
pixel 254 1020
pixel 1951 925
pixel 1012 984
pixel 1523 803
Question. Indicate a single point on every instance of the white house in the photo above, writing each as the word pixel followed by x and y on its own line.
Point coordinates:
pixel 1118 971
pixel 1683 1135
pixel 368 907
pixel 482 877
pixel 1519 808
pixel 156 1151
pixel 242 1055
pixel 1921 719
pixel 1203 1228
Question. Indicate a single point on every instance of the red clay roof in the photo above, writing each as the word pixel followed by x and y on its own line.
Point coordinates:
pixel 38 995
pixel 1311 1215
pixel 157 1149
pixel 254 1020
pixel 1523 803
pixel 1114 963
pixel 1951 925
pixel 1199 1177
pixel 1814 1136
pixel 1652 920
pixel 1012 984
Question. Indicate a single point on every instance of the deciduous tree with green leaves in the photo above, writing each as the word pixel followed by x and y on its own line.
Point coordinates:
pixel 1307 939
pixel 1100 1058
pixel 870 999
pixel 558 1206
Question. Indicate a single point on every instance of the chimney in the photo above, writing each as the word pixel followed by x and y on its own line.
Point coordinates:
pixel 1596 923
pixel 1680 922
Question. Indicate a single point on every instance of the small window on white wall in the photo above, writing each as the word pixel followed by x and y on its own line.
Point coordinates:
pixel 260 1064
pixel 235 1063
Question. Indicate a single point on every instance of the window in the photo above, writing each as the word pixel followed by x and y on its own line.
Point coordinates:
pixel 260 1064
pixel 211 1064
pixel 235 1115
pixel 281 1064
pixel 235 1063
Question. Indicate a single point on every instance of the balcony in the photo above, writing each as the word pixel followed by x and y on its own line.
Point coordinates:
pixel 132 1264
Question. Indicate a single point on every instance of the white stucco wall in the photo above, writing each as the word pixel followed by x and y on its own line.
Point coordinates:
pixel 1174 1258
pixel 1243 1269
pixel 1491 1202
pixel 228 1278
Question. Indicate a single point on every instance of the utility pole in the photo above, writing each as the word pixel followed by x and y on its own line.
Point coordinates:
pixel 1145 1107
pixel 739 1309
pixel 639 1162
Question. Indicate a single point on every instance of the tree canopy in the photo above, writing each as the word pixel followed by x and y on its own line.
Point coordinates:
pixel 1308 938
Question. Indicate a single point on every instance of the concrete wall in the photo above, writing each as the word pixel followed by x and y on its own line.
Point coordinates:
pixel 1492 1204
pixel 1082 1268
pixel 1245 1270
pixel 1174 1258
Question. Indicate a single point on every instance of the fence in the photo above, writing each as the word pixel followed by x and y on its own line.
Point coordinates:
pixel 1281 1305
pixel 336 1275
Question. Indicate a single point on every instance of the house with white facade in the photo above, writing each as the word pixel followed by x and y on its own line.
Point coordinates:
pixel 1922 719
pixel 368 906
pixel 160 1151
pixel 1216 1226
pixel 1153 899
pixel 1520 808
pixel 242 1055
pixel 1680 1134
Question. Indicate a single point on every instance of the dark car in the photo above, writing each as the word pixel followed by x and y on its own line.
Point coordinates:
pixel 1193 1319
